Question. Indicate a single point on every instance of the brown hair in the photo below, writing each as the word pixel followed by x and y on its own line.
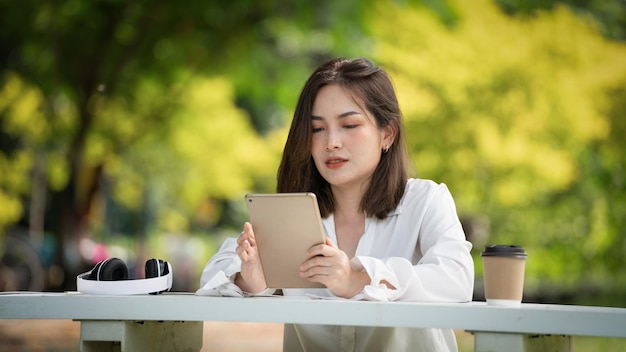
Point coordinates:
pixel 372 86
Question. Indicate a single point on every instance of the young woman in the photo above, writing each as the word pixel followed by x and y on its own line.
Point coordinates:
pixel 389 237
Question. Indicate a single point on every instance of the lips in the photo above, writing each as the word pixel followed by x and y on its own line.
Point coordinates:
pixel 335 162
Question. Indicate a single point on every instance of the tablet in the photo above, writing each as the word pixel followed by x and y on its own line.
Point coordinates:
pixel 285 225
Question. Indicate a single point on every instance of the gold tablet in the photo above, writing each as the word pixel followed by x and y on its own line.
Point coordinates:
pixel 285 225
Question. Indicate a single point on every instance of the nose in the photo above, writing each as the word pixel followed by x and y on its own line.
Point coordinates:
pixel 334 141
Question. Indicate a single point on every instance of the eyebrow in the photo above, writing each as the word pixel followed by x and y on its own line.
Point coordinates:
pixel 345 114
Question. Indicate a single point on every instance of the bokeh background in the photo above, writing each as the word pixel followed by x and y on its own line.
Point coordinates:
pixel 134 128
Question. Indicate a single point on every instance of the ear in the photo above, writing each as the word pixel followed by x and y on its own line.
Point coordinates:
pixel 388 134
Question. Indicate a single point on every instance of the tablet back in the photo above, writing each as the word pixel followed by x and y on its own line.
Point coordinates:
pixel 285 225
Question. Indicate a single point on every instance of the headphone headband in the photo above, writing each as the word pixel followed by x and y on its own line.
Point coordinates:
pixel 124 287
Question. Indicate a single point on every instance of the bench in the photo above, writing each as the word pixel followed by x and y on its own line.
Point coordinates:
pixel 173 321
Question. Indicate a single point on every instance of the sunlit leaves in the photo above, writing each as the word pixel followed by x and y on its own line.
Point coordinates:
pixel 21 105
pixel 202 150
pixel 521 116
pixel 218 139
pixel 22 124
pixel 13 185
pixel 507 111
pixel 521 93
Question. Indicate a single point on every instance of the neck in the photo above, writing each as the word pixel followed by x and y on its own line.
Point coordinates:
pixel 347 202
pixel 349 219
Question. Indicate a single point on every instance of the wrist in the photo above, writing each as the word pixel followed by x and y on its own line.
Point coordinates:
pixel 360 280
pixel 248 287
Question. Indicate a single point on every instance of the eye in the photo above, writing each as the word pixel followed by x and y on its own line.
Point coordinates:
pixel 351 126
pixel 317 129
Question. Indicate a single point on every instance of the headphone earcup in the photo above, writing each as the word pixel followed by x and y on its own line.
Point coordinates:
pixel 156 268
pixel 111 269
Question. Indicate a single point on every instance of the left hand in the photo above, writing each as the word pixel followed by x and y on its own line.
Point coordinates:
pixel 330 266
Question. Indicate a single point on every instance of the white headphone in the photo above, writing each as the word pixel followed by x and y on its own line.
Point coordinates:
pixel 111 277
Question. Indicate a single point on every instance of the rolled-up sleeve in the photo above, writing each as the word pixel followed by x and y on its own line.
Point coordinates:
pixel 225 260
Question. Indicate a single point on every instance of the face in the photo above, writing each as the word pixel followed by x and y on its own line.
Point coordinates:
pixel 346 143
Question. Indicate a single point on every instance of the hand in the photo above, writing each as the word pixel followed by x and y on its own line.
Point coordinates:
pixel 251 278
pixel 331 266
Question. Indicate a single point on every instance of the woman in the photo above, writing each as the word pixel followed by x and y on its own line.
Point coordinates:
pixel 389 238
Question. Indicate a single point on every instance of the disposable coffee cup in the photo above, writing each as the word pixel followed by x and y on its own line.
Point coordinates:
pixel 503 268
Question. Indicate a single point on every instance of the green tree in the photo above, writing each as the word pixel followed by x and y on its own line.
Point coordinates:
pixel 85 59
pixel 609 15
pixel 92 94
pixel 520 116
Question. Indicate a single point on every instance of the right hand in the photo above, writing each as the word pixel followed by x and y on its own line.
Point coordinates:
pixel 250 278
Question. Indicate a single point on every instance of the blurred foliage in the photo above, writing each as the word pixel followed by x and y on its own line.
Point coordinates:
pixel 608 16
pixel 152 116
pixel 151 119
pixel 523 118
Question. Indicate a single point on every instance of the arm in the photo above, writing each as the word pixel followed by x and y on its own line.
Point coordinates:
pixel 238 260
pixel 442 271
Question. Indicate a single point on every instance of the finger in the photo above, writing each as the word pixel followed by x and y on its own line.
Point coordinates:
pixel 247 228
pixel 308 273
pixel 242 237
pixel 243 247
pixel 330 243
pixel 246 234
pixel 240 252
pixel 316 273
pixel 320 250
pixel 317 261
pixel 243 256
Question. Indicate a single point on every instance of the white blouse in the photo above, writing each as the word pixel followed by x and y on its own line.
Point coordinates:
pixel 420 249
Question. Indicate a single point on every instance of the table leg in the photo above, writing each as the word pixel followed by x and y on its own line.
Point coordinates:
pixel 99 335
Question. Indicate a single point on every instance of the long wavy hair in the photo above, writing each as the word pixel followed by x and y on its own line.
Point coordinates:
pixel 373 87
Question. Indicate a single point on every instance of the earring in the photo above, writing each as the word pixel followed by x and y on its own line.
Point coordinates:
pixel 385 150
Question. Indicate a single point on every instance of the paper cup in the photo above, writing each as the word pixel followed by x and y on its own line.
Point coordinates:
pixel 503 268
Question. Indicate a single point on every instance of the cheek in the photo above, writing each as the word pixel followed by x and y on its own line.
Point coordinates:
pixel 317 147
pixel 371 150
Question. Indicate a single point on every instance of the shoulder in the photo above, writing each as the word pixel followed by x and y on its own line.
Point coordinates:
pixel 420 193
pixel 416 187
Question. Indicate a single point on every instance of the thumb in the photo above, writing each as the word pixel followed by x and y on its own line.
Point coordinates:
pixel 329 242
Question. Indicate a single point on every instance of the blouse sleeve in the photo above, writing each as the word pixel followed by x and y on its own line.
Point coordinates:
pixel 445 271
pixel 218 276
pixel 225 260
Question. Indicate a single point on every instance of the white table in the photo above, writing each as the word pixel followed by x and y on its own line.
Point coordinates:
pixel 174 321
